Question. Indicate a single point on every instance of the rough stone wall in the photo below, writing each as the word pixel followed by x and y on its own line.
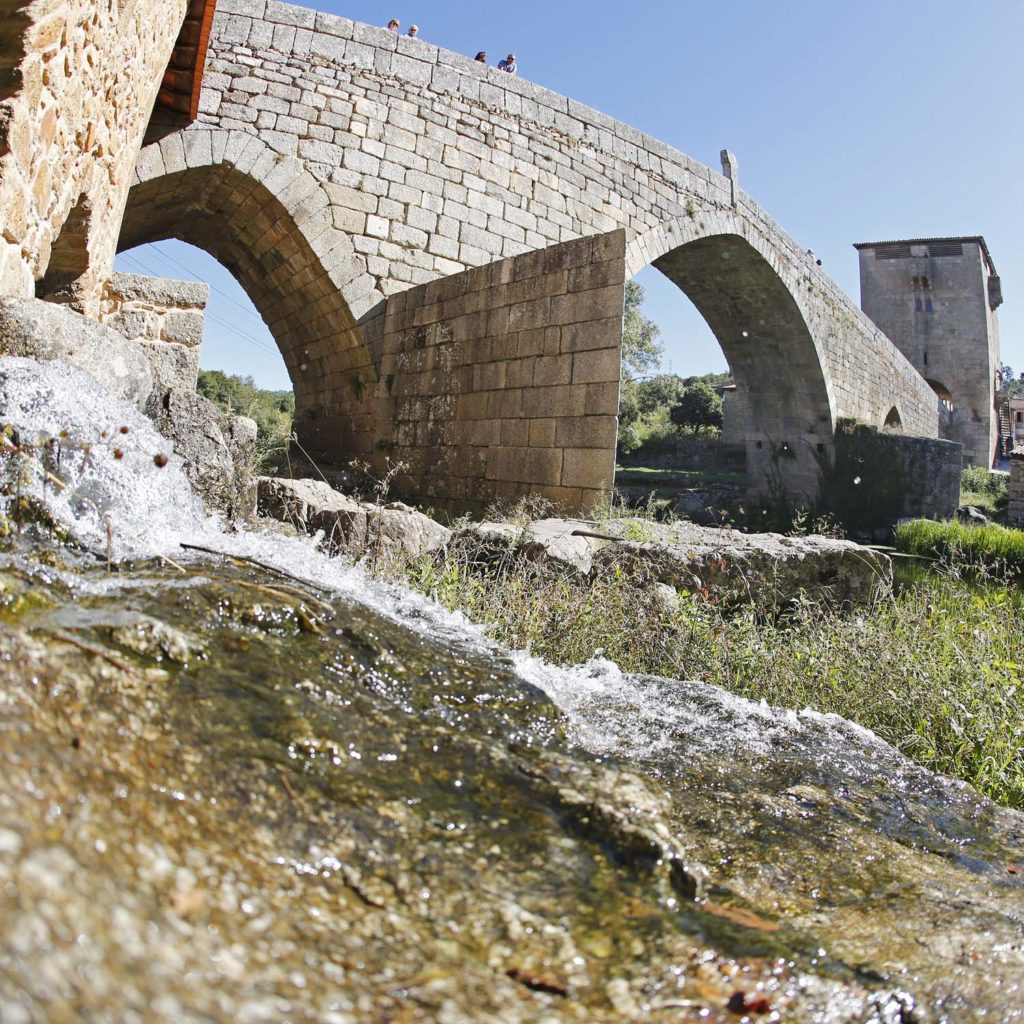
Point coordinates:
pixel 409 163
pixel 931 472
pixel 166 317
pixel 1015 487
pixel 81 79
pixel 878 477
pixel 936 309
pixel 503 380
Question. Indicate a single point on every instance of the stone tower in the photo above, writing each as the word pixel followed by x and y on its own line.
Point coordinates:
pixel 936 299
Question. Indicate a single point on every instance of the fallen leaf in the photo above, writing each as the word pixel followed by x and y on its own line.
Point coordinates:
pixel 539 982
pixel 741 916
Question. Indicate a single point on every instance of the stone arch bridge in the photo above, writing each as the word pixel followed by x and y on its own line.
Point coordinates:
pixel 441 251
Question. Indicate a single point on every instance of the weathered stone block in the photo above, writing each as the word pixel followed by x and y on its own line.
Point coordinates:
pixel 596 366
pixel 183 326
pixel 175 368
pixel 588 467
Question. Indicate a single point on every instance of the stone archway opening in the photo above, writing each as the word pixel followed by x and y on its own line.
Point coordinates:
pixel 893 421
pixel 782 411
pixel 248 230
pixel 69 255
pixel 670 434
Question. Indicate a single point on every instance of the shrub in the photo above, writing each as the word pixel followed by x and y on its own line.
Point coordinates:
pixel 984 490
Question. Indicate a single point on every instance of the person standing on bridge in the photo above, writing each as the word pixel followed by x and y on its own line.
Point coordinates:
pixel 481 57
pixel 414 31
pixel 508 64
pixel 394 25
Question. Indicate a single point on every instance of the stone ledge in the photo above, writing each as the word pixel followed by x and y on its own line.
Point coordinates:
pixel 160 291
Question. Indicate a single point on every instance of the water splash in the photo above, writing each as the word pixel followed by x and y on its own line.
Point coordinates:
pixel 106 453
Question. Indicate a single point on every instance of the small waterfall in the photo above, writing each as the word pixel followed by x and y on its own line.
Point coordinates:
pixel 394 752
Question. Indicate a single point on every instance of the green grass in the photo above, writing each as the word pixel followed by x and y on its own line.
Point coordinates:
pixel 984 490
pixel 963 547
pixel 935 670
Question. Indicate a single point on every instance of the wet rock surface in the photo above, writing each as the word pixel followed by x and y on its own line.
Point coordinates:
pixel 226 796
pixel 214 450
pixel 35 329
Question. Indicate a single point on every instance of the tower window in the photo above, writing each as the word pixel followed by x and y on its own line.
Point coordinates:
pixel 918 305
pixel 921 283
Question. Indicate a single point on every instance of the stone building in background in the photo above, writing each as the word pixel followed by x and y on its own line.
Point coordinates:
pixel 936 299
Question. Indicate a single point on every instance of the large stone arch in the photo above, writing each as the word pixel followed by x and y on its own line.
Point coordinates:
pixel 809 358
pixel 268 222
pixel 735 279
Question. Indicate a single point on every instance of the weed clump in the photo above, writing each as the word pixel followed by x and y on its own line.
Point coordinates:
pixel 964 548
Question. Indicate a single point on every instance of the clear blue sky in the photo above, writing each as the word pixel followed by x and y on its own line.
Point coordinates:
pixel 853 120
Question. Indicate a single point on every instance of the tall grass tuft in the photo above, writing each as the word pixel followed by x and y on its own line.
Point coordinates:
pixel 963 547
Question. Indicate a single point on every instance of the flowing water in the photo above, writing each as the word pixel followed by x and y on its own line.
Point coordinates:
pixel 241 792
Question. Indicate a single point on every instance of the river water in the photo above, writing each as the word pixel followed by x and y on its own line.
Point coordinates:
pixel 288 792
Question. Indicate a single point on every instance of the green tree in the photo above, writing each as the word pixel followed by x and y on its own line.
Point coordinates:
pixel 699 408
pixel 1011 385
pixel 641 353
pixel 664 389
pixel 272 410
pixel 641 348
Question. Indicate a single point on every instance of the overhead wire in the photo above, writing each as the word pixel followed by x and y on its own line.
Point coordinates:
pixel 215 317
pixel 223 294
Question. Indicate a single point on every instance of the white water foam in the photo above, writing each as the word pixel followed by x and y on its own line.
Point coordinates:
pixel 111 477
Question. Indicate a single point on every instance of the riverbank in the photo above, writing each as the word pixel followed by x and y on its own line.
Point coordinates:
pixel 934 667
pixel 244 780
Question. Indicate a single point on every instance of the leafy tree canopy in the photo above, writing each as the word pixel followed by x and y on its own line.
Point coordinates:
pixel 699 407
pixel 1011 384
pixel 641 347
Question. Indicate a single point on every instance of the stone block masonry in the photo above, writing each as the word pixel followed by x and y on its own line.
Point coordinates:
pixel 165 317
pixel 503 380
pixel 155 309
pixel 1015 488
pixel 335 166
pixel 80 94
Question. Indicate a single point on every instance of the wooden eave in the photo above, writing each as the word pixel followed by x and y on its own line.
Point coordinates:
pixel 183 79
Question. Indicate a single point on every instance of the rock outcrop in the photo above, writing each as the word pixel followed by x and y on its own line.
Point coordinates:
pixel 43 330
pixel 214 448
pixel 766 569
pixel 383 531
